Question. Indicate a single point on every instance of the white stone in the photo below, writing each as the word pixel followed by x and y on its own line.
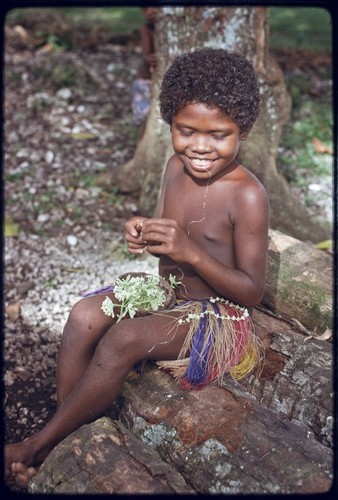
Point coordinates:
pixel 64 93
pixel 72 240
pixel 42 218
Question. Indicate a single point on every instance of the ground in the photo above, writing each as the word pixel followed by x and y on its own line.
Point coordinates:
pixel 68 125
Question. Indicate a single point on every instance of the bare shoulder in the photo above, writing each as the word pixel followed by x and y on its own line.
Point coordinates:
pixel 170 177
pixel 173 168
pixel 174 163
pixel 249 186
pixel 250 194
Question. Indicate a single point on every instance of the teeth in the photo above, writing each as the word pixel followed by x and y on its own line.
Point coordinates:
pixel 201 163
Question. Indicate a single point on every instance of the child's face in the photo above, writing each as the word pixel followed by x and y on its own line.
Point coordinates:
pixel 206 141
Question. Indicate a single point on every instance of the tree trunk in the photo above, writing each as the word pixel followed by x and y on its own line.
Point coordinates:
pixel 244 29
pixel 299 283
pixel 222 440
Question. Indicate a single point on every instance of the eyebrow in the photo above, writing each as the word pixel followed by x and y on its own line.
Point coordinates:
pixel 223 130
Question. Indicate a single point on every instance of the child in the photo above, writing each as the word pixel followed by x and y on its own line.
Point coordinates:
pixel 141 92
pixel 210 232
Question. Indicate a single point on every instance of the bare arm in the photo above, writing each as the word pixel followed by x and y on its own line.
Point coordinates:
pixel 245 282
pixel 133 228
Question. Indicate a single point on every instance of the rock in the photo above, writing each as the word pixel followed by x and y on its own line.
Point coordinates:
pixel 72 240
pixel 42 218
pixel 223 440
pixel 49 156
pixel 23 287
pixel 104 457
pixel 64 93
pixel 13 311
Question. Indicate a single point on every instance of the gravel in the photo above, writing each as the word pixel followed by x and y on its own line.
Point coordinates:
pixel 61 145
pixel 54 275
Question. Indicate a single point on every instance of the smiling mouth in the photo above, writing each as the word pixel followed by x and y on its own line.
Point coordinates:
pixel 201 163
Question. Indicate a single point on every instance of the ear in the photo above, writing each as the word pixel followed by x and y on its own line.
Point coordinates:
pixel 244 135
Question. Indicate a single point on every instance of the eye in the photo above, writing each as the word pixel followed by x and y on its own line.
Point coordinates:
pixel 219 137
pixel 186 133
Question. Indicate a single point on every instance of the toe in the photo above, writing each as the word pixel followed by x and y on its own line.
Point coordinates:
pixel 22 480
pixel 22 474
pixel 31 472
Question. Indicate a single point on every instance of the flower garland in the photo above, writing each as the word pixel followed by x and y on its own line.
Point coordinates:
pixel 192 316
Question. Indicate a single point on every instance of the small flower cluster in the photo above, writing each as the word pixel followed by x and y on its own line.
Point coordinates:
pixel 135 293
pixel 192 316
pixel 173 281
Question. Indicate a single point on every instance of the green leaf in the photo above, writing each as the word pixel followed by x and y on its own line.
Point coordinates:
pixel 82 136
pixel 12 229
pixel 324 245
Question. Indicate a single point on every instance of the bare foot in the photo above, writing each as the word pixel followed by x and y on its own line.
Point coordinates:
pixel 22 474
pixel 21 463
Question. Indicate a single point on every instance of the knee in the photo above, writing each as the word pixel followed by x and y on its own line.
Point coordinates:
pixel 122 339
pixel 80 322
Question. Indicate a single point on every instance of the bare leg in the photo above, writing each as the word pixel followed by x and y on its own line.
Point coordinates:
pixel 119 349
pixel 84 329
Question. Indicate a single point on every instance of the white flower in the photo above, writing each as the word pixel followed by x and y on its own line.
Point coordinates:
pixel 135 293
pixel 108 307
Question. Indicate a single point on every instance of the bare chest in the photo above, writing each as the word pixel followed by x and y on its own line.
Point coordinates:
pixel 203 211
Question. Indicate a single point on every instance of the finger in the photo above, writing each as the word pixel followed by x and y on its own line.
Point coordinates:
pixel 154 238
pixel 160 221
pixel 134 226
pixel 136 245
pixel 134 241
pixel 132 231
pixel 161 229
pixel 157 249
pixel 137 251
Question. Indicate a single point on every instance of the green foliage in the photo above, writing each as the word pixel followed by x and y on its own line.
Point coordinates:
pixel 58 43
pixel 117 19
pixel 113 197
pixel 64 75
pixel 88 180
pixel 310 119
pixel 45 202
pixel 57 26
pixel 11 228
pixel 292 27
pixel 135 293
pixel 300 27
pixel 15 176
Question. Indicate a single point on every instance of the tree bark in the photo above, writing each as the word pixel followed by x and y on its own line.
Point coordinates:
pixel 299 283
pixel 224 441
pixel 297 377
pixel 243 29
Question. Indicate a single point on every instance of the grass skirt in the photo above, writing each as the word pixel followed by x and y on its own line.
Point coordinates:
pixel 220 341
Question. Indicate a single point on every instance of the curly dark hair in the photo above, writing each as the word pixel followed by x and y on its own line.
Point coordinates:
pixel 216 78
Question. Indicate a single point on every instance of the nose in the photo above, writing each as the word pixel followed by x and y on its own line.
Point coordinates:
pixel 200 144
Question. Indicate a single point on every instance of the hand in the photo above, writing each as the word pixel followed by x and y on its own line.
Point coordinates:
pixel 133 235
pixel 166 237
